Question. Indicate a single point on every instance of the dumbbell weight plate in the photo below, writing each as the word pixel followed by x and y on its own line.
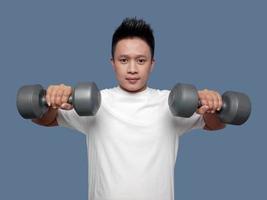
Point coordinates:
pixel 183 100
pixel 86 99
pixel 29 102
pixel 236 108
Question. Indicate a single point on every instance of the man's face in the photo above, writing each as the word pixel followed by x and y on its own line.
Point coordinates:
pixel 132 64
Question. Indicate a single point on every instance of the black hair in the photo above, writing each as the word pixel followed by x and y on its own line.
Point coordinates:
pixel 133 27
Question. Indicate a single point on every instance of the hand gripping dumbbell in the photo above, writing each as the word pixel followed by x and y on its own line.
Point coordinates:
pixel 31 102
pixel 183 102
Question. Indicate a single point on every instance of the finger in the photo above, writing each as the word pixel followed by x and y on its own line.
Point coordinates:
pixel 203 102
pixel 48 95
pixel 203 109
pixel 64 98
pixel 220 103
pixel 53 97
pixel 210 104
pixel 210 99
pixel 66 94
pixel 59 94
pixel 66 106
pixel 215 105
pixel 215 101
pixel 215 96
pixel 204 98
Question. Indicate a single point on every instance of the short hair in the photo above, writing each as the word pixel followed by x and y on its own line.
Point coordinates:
pixel 133 27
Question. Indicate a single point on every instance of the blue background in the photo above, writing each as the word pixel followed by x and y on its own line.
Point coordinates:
pixel 213 44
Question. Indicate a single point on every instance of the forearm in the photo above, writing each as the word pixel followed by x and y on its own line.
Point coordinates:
pixel 48 119
pixel 212 122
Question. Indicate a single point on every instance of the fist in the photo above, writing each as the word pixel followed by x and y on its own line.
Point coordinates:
pixel 57 96
pixel 211 101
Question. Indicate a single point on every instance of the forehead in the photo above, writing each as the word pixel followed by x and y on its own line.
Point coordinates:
pixel 132 46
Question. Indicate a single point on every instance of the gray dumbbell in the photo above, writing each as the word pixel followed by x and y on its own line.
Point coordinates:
pixel 31 102
pixel 183 102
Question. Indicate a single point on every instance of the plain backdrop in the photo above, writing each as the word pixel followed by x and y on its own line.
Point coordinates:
pixel 215 44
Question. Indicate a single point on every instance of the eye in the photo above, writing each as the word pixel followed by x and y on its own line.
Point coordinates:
pixel 123 60
pixel 141 61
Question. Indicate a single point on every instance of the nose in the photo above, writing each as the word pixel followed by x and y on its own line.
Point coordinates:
pixel 132 69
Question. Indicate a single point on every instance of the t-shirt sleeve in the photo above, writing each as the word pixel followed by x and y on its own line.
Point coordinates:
pixel 184 125
pixel 70 119
pixel 196 121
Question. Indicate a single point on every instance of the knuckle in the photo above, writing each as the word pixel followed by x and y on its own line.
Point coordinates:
pixel 203 102
pixel 58 100
pixel 59 92
pixel 47 97
pixel 64 99
pixel 67 91
pixel 52 99
pixel 208 97
pixel 53 93
pixel 49 89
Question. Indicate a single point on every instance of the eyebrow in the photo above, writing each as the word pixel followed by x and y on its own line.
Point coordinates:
pixel 137 56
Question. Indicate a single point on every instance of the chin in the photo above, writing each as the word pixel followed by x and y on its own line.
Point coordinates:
pixel 132 88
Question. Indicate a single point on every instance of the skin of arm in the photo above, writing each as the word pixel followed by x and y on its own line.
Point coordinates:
pixel 48 119
pixel 212 122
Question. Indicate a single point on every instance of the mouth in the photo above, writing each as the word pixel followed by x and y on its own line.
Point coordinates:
pixel 132 80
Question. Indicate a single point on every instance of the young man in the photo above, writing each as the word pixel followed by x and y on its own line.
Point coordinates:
pixel 133 139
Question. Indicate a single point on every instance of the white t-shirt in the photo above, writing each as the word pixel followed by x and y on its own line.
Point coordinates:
pixel 132 144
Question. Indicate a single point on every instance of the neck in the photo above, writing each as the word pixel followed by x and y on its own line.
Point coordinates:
pixel 134 91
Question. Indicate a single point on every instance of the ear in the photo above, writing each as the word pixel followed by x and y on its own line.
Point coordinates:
pixel 152 64
pixel 112 63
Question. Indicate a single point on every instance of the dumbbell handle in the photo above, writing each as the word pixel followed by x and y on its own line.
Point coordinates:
pixel 223 106
pixel 44 102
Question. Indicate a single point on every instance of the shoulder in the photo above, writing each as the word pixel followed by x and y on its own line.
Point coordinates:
pixel 160 94
pixel 108 92
pixel 160 91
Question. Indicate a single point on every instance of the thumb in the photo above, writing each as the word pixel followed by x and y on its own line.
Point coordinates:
pixel 202 110
pixel 66 106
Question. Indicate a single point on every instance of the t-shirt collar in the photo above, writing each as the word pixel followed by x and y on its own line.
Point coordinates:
pixel 136 94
